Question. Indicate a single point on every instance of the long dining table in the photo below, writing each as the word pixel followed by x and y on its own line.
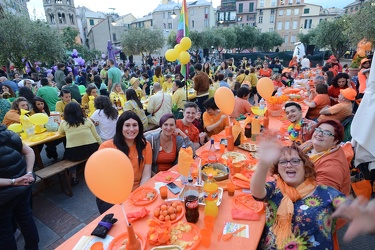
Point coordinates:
pixel 255 227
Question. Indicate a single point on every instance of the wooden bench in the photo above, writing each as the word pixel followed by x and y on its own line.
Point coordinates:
pixel 60 168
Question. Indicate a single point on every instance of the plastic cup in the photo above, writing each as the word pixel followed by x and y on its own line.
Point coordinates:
pixel 206 237
pixel 237 169
pixel 163 192
pixel 231 188
pixel 209 222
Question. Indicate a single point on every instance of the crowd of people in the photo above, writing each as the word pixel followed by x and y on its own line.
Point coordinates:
pixel 109 106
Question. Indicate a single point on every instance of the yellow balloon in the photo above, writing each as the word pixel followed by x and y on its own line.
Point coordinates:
pixel 171 55
pixel 39 119
pixel 178 48
pixel 185 43
pixel 15 127
pixel 184 57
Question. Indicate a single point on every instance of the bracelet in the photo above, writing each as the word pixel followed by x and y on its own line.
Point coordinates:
pixel 12 182
pixel 29 172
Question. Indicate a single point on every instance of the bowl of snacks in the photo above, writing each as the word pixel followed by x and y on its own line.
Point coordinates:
pixel 219 171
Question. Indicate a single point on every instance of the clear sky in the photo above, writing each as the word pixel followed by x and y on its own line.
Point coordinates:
pixel 143 7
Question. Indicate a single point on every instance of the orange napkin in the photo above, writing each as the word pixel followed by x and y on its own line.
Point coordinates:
pixel 137 215
pixel 240 179
pixel 166 176
pixel 237 130
pixel 223 184
pixel 244 215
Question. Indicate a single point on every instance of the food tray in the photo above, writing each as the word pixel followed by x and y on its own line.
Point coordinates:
pixel 248 147
pixel 201 195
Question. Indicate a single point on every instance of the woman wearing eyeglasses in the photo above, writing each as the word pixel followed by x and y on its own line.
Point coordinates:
pixel 325 152
pixel 298 208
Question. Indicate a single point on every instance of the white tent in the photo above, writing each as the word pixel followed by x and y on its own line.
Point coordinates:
pixel 299 50
pixel 363 125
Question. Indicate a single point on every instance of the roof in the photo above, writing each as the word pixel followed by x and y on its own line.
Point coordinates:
pixel 92 14
pixel 352 4
pixel 172 5
pixel 145 18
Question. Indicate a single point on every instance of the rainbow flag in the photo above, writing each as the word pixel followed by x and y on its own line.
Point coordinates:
pixel 182 31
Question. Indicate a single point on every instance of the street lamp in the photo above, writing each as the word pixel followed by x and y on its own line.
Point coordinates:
pixel 221 21
pixel 174 15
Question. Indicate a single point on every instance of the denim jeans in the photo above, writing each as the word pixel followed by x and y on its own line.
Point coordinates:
pixel 18 209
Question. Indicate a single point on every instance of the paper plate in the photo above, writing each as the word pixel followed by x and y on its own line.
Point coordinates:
pixel 117 242
pixel 179 215
pixel 193 236
pixel 235 156
pixel 139 196
pixel 246 202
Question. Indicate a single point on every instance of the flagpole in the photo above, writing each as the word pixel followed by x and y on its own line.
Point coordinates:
pixel 186 70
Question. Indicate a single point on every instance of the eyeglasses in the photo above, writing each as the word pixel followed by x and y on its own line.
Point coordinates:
pixel 293 162
pixel 325 133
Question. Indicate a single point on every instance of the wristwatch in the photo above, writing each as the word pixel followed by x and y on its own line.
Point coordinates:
pixel 12 182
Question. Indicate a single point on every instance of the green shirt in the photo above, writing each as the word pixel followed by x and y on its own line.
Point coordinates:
pixel 49 94
pixel 114 74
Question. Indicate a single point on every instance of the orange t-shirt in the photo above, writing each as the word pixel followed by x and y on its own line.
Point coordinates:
pixel 362 81
pixel 133 156
pixel 265 72
pixel 278 84
pixel 320 100
pixel 165 160
pixel 211 119
pixel 191 131
pixel 340 111
pixel 241 106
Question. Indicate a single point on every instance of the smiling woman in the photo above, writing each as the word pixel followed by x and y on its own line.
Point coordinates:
pixel 298 214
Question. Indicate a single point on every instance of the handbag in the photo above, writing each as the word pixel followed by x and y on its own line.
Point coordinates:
pixel 362 187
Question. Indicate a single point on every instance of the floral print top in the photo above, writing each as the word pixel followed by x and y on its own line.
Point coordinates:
pixel 312 224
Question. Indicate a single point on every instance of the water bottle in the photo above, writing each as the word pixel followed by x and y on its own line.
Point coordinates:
pixel 279 92
pixel 191 202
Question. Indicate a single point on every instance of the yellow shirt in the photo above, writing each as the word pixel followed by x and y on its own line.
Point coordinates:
pixel 167 86
pixel 60 106
pixel 160 79
pixel 179 97
pixel 116 96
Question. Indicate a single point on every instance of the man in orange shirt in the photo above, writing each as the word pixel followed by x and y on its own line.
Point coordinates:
pixel 186 125
pixel 265 71
pixel 341 110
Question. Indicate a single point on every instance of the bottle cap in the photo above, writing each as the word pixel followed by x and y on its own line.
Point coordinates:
pixel 190 180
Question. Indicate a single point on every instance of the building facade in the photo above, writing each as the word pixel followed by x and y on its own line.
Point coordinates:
pixel 354 6
pixel 226 13
pixel 266 15
pixel 143 22
pixel 16 7
pixel 246 12
pixel 60 13
pixel 87 19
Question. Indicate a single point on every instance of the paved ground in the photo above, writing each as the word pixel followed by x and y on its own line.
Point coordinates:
pixel 59 216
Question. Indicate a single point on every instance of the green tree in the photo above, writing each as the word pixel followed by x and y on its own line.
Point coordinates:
pixel 333 34
pixel 229 35
pixel 268 40
pixel 142 41
pixel 307 39
pixel 23 39
pixel 69 36
pixel 171 39
pixel 246 37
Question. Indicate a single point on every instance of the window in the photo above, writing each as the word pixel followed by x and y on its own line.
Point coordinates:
pixel 92 22
pixel 260 12
pixel 71 18
pixel 290 1
pixel 261 3
pixel 240 8
pixel 68 2
pixel 356 7
pixel 164 15
pixel 248 17
pixel 308 24
pixel 260 19
pixel 296 12
pixel 192 23
pixel 306 11
pixel 281 12
pixel 169 14
pixel 114 37
pixel 279 25
pixel 272 11
pixel 287 24
pixel 169 25
pixel 251 7
pixel 272 18
pixel 206 10
pixel 52 17
pixel 293 39
pixel 239 18
pixel 295 25
pixel 298 1
pixel 270 30
pixel 151 23
pixel 273 3
pixel 58 1
pixel 48 1
pixel 205 22
pixel 286 39
pixel 165 26
pixel 288 12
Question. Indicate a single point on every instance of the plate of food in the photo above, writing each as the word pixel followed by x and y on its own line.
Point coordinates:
pixel 169 212
pixel 219 171
pixel 246 202
pixel 119 242
pixel 248 147
pixel 185 235
pixel 143 195
pixel 235 156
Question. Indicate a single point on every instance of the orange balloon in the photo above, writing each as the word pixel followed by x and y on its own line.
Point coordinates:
pixel 109 175
pixel 265 88
pixel 224 100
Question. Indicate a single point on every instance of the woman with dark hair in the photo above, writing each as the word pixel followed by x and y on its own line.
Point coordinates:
pixel 130 140
pixel 27 93
pixel 39 105
pixel 340 81
pixel 207 69
pixel 104 117
pixel 90 91
pixel 158 76
pixel 81 80
pixel 179 95
pixel 166 143
pixel 328 76
pixel 100 85
pixel 82 140
pixel 13 115
pixel 7 92
pixel 319 102
pixel 299 207
pixel 136 106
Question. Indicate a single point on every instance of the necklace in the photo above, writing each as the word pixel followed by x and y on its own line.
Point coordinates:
pixel 294 129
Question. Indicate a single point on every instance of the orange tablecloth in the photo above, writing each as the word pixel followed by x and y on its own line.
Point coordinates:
pixel 256 227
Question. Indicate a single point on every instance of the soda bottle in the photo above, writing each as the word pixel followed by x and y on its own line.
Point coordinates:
pixel 255 127
pixel 212 158
pixel 191 202
pixel 211 195
pixel 230 139
pixel 266 120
